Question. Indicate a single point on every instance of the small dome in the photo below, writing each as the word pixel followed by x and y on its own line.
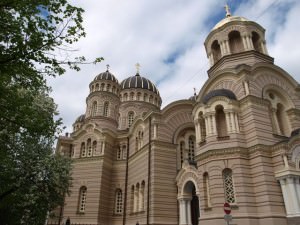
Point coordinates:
pixel 139 82
pixel 219 92
pixel 228 20
pixel 80 119
pixel 106 76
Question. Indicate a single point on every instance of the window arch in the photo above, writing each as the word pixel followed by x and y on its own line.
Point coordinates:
pixel 105 109
pixel 228 186
pixel 82 150
pixel 118 202
pixel 131 96
pixel 256 42
pixel 89 148
pixel 82 199
pixel 125 97
pixel 216 51
pixel 206 189
pixel 130 118
pixel 102 87
pixel 191 148
pixel 97 87
pixel 94 108
pixel 136 198
pixel 221 121
pixel 235 42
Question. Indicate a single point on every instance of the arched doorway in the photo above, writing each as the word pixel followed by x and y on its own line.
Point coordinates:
pixel 189 212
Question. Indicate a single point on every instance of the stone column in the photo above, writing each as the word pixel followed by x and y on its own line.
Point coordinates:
pixel 227 116
pixel 245 44
pixel 236 122
pixel 226 44
pixel 250 43
pixel 284 194
pixel 276 124
pixel 214 127
pixel 233 122
pixel 207 124
pixel 263 47
pixel 246 87
pixel 292 195
pixel 211 59
pixel 188 211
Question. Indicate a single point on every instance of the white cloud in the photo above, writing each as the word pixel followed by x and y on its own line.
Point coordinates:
pixel 151 32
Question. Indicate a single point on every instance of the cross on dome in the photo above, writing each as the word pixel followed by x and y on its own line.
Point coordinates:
pixel 137 68
pixel 227 9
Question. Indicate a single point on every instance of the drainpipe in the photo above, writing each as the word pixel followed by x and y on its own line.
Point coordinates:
pixel 126 183
pixel 149 172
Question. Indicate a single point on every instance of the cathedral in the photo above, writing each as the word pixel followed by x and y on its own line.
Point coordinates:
pixel 237 141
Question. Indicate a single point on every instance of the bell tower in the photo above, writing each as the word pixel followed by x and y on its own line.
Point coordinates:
pixel 233 41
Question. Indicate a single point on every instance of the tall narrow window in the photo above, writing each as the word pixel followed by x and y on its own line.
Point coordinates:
pixel 206 189
pixel 95 147
pixel 94 109
pixel 82 199
pixel 118 202
pixel 105 109
pixel 130 118
pixel 89 148
pixel 136 198
pixel 82 150
pixel 228 186
pixel 221 121
pixel 141 197
pixel 191 148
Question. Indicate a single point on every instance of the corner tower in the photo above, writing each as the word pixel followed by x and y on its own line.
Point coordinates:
pixel 103 100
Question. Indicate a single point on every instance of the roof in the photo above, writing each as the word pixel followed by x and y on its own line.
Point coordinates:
pixel 219 92
pixel 138 81
pixel 228 20
pixel 106 76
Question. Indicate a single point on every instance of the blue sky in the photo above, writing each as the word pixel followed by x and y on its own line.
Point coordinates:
pixel 166 38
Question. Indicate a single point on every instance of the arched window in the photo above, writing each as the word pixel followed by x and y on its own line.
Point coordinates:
pixel 191 148
pixel 235 42
pixel 97 87
pixel 256 42
pixel 82 199
pixel 139 96
pixel 89 148
pixel 95 147
pixel 102 87
pixel 82 150
pixel 113 89
pixel 216 51
pixel 136 197
pixel 221 121
pixel 108 87
pixel 118 202
pixel 141 197
pixel 206 189
pixel 94 109
pixel 130 118
pixel 125 97
pixel 131 96
pixel 105 109
pixel 228 186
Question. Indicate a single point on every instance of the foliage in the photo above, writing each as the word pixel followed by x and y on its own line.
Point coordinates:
pixel 35 42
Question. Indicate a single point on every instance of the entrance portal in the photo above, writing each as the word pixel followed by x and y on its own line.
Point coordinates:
pixel 189 205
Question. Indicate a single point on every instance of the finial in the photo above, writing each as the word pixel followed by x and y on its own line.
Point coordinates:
pixel 137 68
pixel 107 66
pixel 195 93
pixel 227 9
